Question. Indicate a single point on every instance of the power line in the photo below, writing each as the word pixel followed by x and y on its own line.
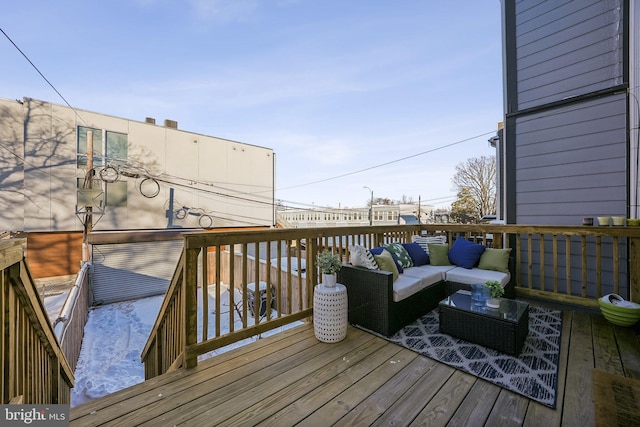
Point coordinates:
pixel 41 75
pixel 390 162
pixel 255 194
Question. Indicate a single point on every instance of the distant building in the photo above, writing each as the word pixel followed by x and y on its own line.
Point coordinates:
pixel 344 217
pixel 140 176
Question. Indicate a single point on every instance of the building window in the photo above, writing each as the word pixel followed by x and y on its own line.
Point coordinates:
pixel 116 152
pixel 116 194
pixel 83 144
pixel 117 148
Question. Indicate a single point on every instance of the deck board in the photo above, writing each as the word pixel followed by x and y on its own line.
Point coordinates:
pixel 294 402
pixel 476 405
pixel 334 409
pixel 580 363
pixel 292 379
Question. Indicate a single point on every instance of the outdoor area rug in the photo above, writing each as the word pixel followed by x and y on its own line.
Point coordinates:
pixel 616 398
pixel 533 374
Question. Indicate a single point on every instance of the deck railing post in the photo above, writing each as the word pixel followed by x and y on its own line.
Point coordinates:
pixel 634 262
pixel 190 306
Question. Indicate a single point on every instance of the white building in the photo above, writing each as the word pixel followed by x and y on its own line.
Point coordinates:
pixel 141 177
pixel 347 217
pixel 141 171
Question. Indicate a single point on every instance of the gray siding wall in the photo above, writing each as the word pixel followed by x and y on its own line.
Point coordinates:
pixel 567 48
pixel 571 162
pixel 566 138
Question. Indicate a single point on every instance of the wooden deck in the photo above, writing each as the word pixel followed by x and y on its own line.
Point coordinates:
pixel 292 379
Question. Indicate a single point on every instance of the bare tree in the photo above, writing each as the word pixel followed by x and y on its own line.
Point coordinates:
pixel 406 200
pixel 476 179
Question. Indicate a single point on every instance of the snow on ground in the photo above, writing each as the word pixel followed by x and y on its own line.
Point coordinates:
pixel 53 304
pixel 115 335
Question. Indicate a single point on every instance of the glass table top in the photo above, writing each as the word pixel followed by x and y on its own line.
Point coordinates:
pixel 510 309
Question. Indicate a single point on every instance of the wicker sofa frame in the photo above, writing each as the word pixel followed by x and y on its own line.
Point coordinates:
pixel 371 304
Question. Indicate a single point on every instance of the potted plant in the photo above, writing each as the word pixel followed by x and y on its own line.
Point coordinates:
pixel 496 293
pixel 329 264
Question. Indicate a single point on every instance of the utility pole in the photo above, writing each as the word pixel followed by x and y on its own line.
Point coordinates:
pixel 88 183
pixel 370 206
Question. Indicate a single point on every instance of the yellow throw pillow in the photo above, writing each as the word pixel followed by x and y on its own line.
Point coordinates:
pixel 386 263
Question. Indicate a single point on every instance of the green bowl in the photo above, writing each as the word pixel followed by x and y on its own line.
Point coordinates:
pixel 634 222
pixel 619 315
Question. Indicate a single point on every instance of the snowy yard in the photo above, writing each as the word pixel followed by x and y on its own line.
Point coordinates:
pixel 115 335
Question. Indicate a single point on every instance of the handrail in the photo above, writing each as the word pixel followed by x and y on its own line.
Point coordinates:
pixel 573 265
pixel 34 368
pixel 69 326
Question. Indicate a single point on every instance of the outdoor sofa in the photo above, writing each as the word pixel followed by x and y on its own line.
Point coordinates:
pixel 383 300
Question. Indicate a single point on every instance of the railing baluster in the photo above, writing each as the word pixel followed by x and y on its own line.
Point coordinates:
pixel 256 283
pixel 279 278
pixel 555 263
pixel 616 266
pixel 218 288
pixel 232 287
pixel 289 284
pixel 244 285
pixel 568 263
pixel 530 260
pixel 205 297
pixel 268 278
pixel 542 262
pixel 599 265
pixel 583 249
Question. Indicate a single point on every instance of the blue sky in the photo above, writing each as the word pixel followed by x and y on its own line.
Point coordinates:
pixel 341 90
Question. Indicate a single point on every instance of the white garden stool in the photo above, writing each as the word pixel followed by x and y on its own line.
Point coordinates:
pixel 330 313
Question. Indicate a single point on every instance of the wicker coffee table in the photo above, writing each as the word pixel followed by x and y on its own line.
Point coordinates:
pixel 504 329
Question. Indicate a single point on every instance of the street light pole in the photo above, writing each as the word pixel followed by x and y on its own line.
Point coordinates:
pixel 370 206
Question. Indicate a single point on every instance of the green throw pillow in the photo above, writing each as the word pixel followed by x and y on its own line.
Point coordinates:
pixel 385 262
pixel 438 254
pixel 401 254
pixel 495 259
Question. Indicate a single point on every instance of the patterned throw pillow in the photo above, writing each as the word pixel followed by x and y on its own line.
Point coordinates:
pixel 400 253
pixel 424 241
pixel 361 257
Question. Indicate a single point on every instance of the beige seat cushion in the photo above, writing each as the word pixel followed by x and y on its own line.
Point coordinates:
pixel 415 279
pixel 476 275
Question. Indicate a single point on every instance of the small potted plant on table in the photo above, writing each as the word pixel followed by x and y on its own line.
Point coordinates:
pixel 329 264
pixel 496 293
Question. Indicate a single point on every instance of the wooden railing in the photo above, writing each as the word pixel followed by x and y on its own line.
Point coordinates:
pixel 34 368
pixel 573 265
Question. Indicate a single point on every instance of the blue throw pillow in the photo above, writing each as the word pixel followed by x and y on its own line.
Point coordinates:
pixel 417 254
pixel 378 251
pixel 464 253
